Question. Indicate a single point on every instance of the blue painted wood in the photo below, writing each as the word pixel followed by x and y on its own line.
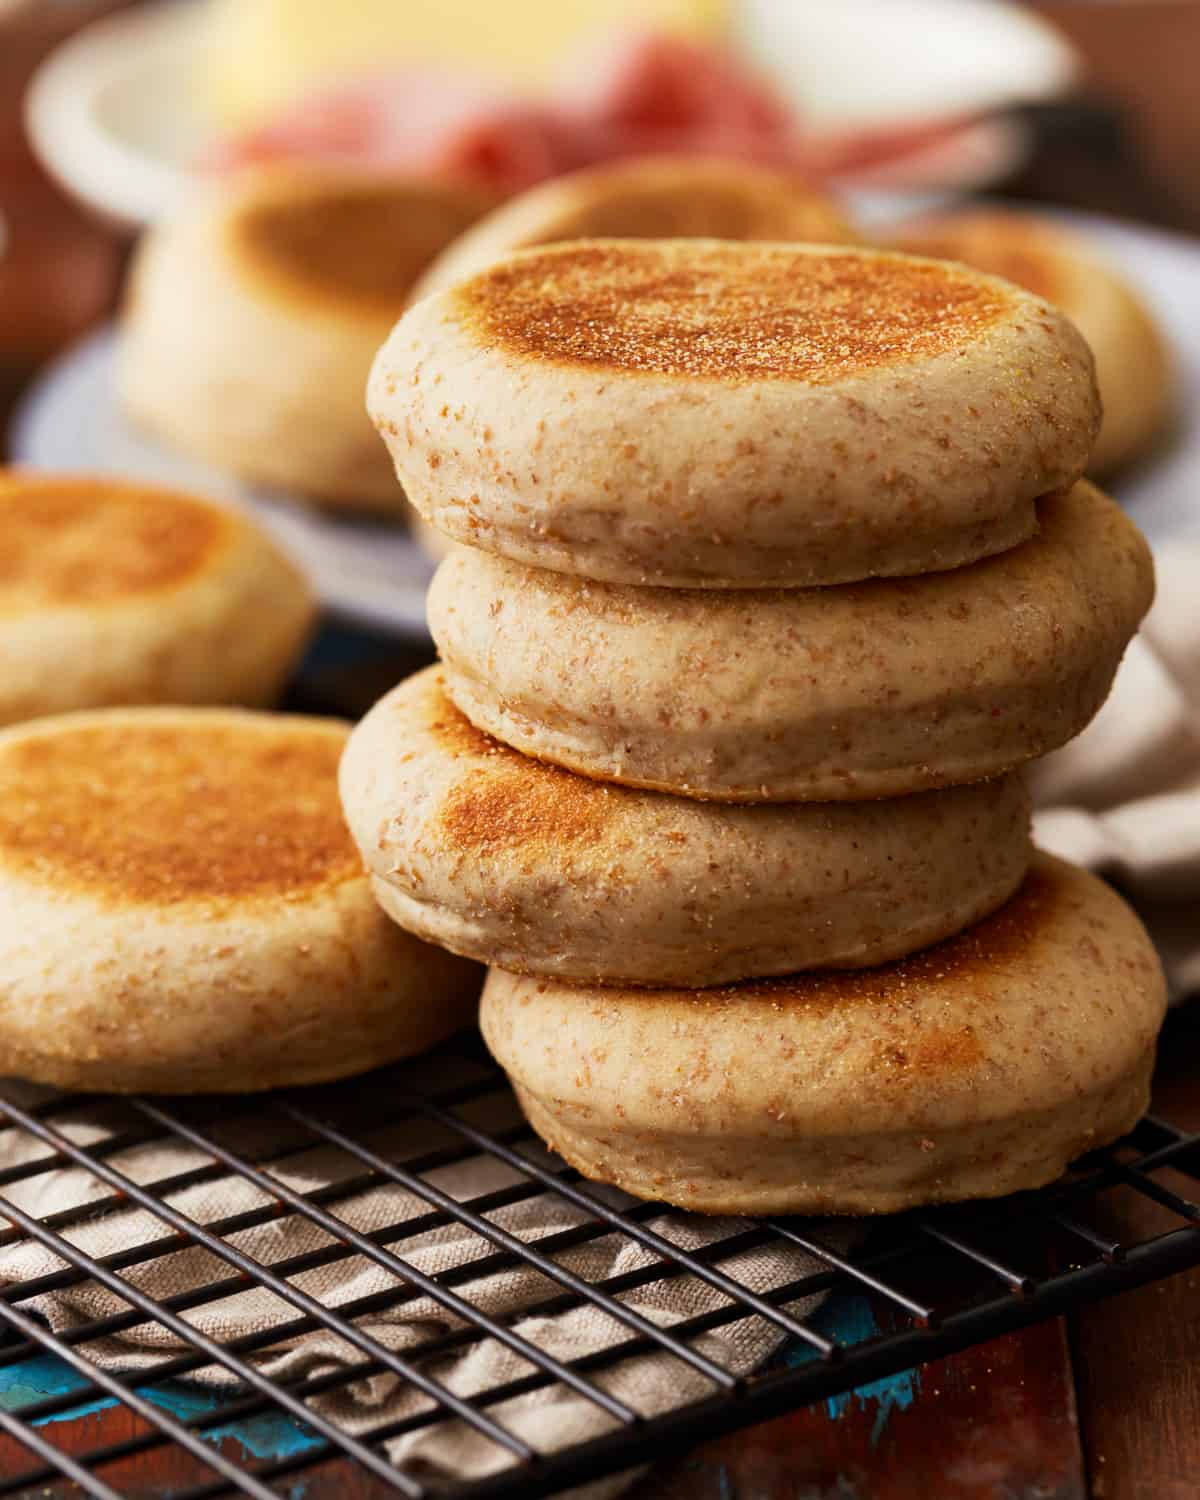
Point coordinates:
pixel 277 1436
pixel 849 1320
pixel 269 1436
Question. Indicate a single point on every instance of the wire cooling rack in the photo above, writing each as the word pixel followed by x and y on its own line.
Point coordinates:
pixel 939 1281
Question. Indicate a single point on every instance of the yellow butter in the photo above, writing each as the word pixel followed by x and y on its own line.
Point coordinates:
pixel 262 54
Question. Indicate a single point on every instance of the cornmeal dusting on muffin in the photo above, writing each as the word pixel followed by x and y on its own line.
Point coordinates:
pixel 84 542
pixel 163 814
pixel 980 952
pixel 709 311
pixel 521 804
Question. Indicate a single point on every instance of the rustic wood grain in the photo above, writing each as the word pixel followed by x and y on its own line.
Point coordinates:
pixel 164 1470
pixel 1135 1357
pixel 996 1422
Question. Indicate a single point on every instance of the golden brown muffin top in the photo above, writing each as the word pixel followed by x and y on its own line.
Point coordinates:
pixel 168 809
pixel 350 241
pixel 713 310
pixel 1022 250
pixel 673 199
pixel 93 542
pixel 513 802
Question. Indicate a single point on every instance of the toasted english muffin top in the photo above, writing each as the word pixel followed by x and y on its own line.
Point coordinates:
pixel 361 241
pixel 165 808
pixel 707 310
pixel 86 542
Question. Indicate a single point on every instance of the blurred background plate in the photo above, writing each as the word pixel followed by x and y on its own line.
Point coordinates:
pixel 119 113
pixel 1162 491
pixel 114 112
pixel 867 64
pixel 366 571
pixel 372 572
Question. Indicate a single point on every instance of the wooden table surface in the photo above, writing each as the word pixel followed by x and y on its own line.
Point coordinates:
pixel 1105 1403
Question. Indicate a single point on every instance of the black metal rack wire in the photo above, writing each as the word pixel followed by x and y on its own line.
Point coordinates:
pixel 940 1281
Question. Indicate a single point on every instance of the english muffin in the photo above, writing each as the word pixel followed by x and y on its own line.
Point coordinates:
pixel 501 858
pixel 981 1066
pixel 182 909
pixel 1133 365
pixel 693 413
pixel 647 197
pixel 873 689
pixel 252 318
pixel 114 593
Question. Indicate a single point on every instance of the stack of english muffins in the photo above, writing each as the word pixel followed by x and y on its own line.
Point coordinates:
pixel 776 564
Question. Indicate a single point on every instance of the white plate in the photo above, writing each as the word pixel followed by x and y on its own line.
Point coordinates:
pixel 850 64
pixel 370 572
pixel 1162 492
pixel 374 573
pixel 113 113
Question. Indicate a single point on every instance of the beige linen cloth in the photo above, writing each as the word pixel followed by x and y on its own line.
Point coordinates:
pixel 547 1419
pixel 1124 798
